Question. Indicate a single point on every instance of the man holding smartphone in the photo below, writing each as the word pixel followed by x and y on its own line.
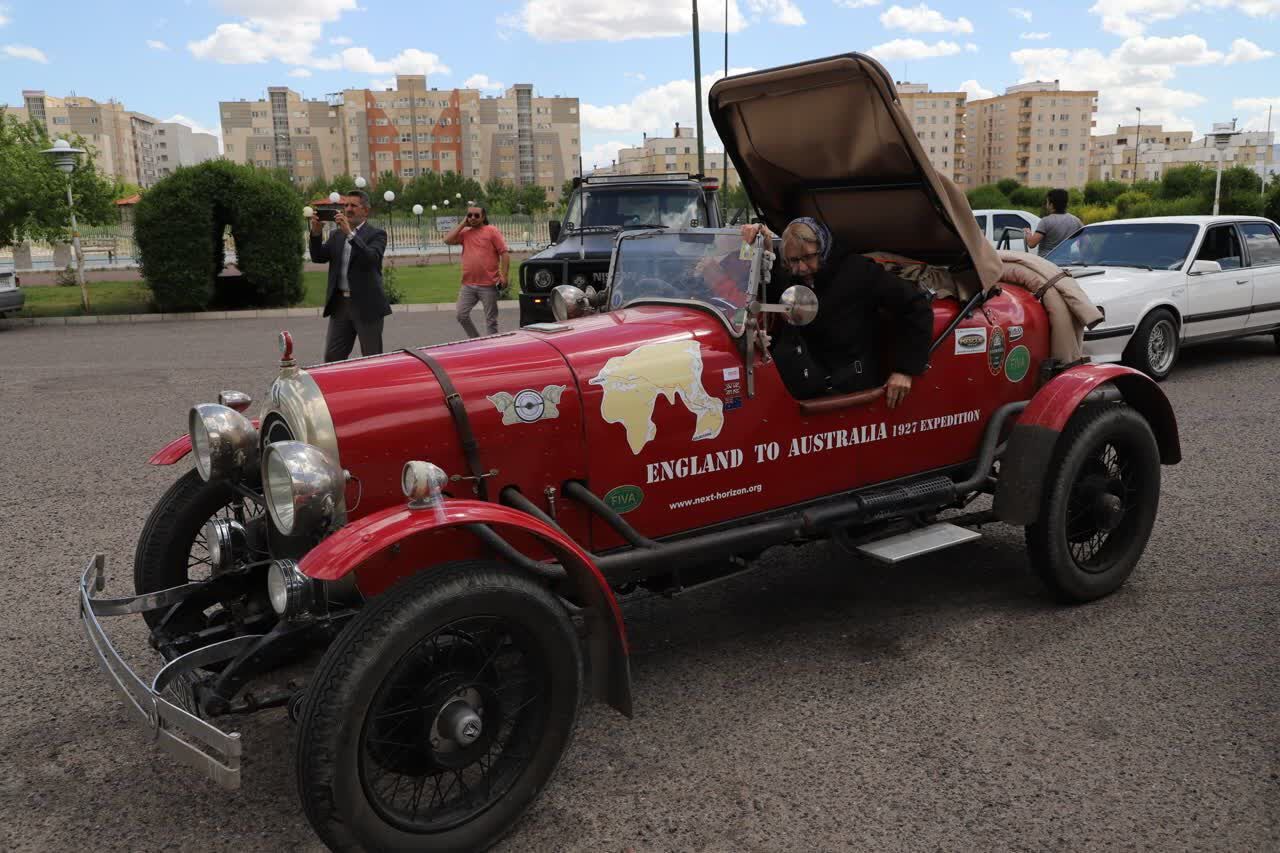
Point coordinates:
pixel 355 302
pixel 486 263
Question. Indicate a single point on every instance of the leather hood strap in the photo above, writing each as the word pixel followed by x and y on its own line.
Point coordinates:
pixel 458 409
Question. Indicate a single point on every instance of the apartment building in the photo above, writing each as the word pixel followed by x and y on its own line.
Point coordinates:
pixel 122 141
pixel 285 131
pixel 938 120
pixel 408 130
pixel 1037 133
pixel 675 153
pixel 1123 156
pixel 176 145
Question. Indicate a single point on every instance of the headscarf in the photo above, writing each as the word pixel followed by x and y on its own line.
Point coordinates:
pixel 821 231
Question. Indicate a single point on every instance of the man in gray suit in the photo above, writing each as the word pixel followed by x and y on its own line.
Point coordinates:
pixel 355 302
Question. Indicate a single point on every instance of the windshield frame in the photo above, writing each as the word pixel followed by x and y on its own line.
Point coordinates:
pixel 753 283
pixel 579 200
pixel 1191 229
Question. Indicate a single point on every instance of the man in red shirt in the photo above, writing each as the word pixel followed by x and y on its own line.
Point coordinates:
pixel 485 264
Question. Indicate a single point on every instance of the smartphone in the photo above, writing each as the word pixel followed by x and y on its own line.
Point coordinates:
pixel 327 214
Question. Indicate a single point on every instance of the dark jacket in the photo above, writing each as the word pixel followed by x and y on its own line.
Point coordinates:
pixel 364 273
pixel 845 337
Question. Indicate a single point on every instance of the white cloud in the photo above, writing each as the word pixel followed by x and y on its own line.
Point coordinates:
pixel 634 75
pixel 1178 50
pixel 388 83
pixel 1024 14
pixel 1131 17
pixel 283 30
pixel 1034 36
pixel 22 51
pixel 4 15
pixel 655 111
pixel 776 11
pixel 197 127
pixel 157 45
pixel 970 47
pixel 1259 108
pixel 1243 50
pixel 975 90
pixel 482 81
pixel 922 19
pixel 601 155
pixel 857 4
pixel 620 20
pixel 340 41
pixel 913 49
pixel 412 61
pixel 300 72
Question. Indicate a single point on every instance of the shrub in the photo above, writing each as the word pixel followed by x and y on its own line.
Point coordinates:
pixel 389 285
pixel 179 224
pixel 1185 181
pixel 987 196
pixel 1029 198
pixel 67 277
pixel 1090 213
pixel 1189 206
pixel 1007 186
pixel 1103 192
pixel 1271 208
pixel 1125 202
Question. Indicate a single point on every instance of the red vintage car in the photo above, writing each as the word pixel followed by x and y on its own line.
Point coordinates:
pixel 445 532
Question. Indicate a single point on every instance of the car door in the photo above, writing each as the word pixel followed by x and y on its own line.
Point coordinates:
pixel 1218 303
pixel 1001 221
pixel 983 224
pixel 1262 241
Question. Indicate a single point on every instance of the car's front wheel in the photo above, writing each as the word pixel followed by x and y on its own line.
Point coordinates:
pixel 1153 349
pixel 1099 504
pixel 440 712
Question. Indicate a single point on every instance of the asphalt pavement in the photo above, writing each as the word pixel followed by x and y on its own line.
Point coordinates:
pixel 818 702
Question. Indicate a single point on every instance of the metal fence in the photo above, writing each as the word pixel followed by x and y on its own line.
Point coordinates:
pixel 109 247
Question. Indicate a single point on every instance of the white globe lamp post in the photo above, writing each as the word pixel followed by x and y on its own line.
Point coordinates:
pixel 65 159
pixel 417 212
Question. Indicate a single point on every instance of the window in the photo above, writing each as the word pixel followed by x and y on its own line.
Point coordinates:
pixel 1264 245
pixel 1221 244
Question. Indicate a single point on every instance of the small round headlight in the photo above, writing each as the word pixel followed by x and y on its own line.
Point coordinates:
pixel 543 278
pixel 290 591
pixel 422 482
pixel 303 488
pixel 223 441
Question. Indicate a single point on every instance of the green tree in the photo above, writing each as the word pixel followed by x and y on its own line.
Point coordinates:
pixel 735 204
pixel 531 199
pixel 986 197
pixel 1184 181
pixel 1007 186
pixel 1271 208
pixel 33 194
pixel 1103 192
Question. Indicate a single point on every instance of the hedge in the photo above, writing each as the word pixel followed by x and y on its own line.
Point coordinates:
pixel 179 223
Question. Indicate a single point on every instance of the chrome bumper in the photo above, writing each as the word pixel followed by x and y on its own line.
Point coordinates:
pixel 178 732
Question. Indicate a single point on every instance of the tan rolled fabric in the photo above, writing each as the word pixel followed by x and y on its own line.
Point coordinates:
pixel 1068 306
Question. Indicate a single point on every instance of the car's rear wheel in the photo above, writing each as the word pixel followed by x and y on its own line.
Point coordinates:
pixel 172 549
pixel 1099 504
pixel 1153 349
pixel 440 713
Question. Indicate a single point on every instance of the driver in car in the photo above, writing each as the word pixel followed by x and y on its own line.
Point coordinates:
pixel 852 290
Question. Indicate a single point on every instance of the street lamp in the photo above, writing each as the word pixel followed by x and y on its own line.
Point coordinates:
pixel 64 157
pixel 389 197
pixel 1222 135
pixel 360 182
pixel 417 211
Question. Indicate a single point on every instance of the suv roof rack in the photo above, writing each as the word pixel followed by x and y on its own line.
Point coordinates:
pixel 654 177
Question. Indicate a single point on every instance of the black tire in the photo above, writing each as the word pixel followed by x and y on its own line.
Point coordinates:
pixel 397 640
pixel 168 552
pixel 1154 347
pixel 1099 504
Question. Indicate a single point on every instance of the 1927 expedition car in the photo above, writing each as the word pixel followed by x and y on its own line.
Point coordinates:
pixel 447 529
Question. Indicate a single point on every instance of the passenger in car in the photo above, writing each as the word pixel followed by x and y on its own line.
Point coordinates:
pixel 852 290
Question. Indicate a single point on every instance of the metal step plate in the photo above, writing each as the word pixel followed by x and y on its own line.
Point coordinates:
pixel 913 543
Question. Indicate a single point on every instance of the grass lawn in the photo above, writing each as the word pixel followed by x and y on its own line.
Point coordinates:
pixel 434 283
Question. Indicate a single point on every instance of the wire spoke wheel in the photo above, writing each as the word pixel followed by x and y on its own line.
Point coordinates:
pixel 453 725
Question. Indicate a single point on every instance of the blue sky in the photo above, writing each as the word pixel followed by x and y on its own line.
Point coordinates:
pixel 1186 63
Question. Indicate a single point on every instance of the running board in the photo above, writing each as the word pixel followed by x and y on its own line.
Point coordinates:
pixel 923 540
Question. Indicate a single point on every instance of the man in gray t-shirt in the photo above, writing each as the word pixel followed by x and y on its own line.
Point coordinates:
pixel 1057 226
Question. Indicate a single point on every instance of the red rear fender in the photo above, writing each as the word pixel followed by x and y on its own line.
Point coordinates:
pixel 379 545
pixel 1029 454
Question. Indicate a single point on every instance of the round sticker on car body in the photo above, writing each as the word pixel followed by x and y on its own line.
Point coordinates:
pixel 623 499
pixel 1017 364
pixel 995 354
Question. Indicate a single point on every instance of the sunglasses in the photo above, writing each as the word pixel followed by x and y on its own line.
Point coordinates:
pixel 473 216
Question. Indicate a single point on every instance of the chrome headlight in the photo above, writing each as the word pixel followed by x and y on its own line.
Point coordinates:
pixel 422 483
pixel 302 487
pixel 224 442
pixel 543 278
pixel 290 591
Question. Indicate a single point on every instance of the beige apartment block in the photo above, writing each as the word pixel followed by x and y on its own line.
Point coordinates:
pixel 122 141
pixel 177 145
pixel 1035 132
pixel 1115 154
pixel 285 131
pixel 409 131
pixel 938 119
pixel 675 153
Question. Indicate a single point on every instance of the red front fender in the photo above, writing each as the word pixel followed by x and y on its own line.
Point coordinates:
pixel 1029 454
pixel 356 544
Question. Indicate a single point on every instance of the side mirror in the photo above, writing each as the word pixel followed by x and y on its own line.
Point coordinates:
pixel 553 228
pixel 568 302
pixel 1198 267
pixel 798 305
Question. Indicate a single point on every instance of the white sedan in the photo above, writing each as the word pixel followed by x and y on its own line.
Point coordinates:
pixel 1170 281
pixel 995 224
